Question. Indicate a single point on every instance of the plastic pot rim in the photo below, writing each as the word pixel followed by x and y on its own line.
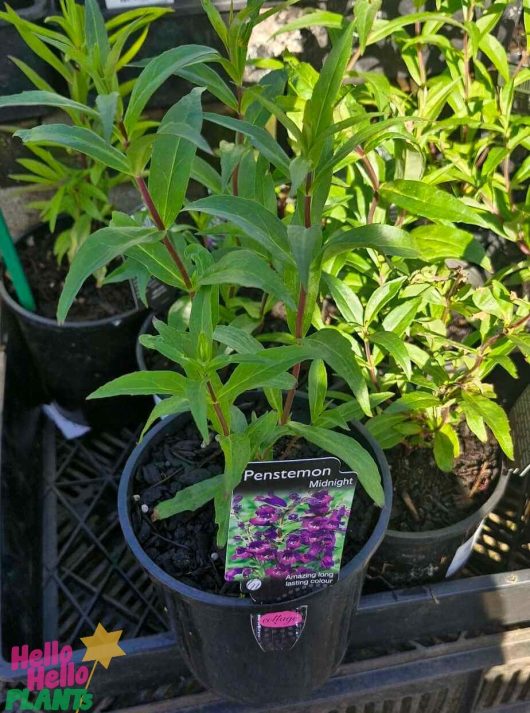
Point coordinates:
pixel 462 525
pixel 356 563
pixel 46 321
pixel 139 348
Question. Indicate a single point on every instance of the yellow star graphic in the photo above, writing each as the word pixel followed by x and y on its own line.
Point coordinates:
pixel 102 646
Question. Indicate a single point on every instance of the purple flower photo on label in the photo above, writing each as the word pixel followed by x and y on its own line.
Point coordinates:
pixel 275 535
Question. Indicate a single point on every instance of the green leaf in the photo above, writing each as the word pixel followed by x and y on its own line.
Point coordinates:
pixel 157 71
pixel 385 239
pixel 236 449
pixel 318 113
pixel 317 388
pixel 262 372
pixel 496 53
pixel 191 498
pixel 380 297
pixel 44 98
pixel 345 298
pixel 107 105
pixel 172 158
pixel 143 383
pixel 399 319
pixel 96 37
pixel 313 18
pixel 335 349
pixel 169 406
pixel 419 198
pixel 442 242
pixel 202 172
pixel 415 401
pixel 237 339
pixel 216 21
pixel 475 422
pixel 444 448
pixel 365 12
pixel 259 137
pixel 79 139
pixel 99 250
pixel 348 450
pixel 305 246
pixel 204 76
pixel 243 267
pixel 197 396
pixel 255 221
pixel 395 346
pixel 495 418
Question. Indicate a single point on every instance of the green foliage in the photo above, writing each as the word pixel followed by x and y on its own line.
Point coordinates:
pixel 342 234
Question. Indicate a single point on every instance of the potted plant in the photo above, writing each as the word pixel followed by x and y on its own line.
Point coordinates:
pixel 96 342
pixel 234 400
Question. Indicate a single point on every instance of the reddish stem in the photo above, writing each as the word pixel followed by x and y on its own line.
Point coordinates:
pixel 217 408
pixel 157 220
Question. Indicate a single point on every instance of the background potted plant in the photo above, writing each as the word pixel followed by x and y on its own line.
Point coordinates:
pixel 95 344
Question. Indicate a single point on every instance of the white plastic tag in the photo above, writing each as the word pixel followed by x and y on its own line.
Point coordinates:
pixel 463 553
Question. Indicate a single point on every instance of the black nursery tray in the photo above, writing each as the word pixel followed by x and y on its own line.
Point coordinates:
pixel 65 568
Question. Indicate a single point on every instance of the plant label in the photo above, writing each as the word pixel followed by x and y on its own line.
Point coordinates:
pixel 126 4
pixel 463 553
pixel 287 526
pixel 278 630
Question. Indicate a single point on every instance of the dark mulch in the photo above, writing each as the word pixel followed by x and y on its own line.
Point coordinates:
pixel 426 498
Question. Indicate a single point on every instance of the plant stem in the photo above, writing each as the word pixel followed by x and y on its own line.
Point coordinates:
pixel 157 220
pixel 374 180
pixel 371 365
pixel 300 311
pixel 217 408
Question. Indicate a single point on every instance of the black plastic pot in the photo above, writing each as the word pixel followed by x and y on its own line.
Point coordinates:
pixel 216 632
pixel 408 558
pixel 139 351
pixel 74 358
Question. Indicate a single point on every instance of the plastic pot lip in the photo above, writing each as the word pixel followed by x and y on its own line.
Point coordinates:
pixel 139 348
pixel 28 316
pixel 457 528
pixel 355 564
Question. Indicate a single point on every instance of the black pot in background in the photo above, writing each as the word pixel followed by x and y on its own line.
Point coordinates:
pixel 216 634
pixel 74 358
pixel 139 350
pixel 409 558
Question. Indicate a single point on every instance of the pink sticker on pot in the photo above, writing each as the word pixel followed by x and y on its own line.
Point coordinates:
pixel 279 619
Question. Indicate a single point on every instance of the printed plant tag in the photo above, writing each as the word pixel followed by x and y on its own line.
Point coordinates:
pixel 280 630
pixel 126 4
pixel 287 526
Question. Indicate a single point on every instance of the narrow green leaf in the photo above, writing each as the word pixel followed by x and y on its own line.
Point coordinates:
pixel 243 267
pixel 79 139
pixel 385 239
pixel 305 246
pixel 442 242
pixel 99 250
pixel 190 498
pixel 259 137
pixel 157 71
pixel 419 198
pixel 335 349
pixel 365 12
pixel 172 157
pixel 395 346
pixel 169 406
pixel 345 298
pixel 348 450
pixel 44 98
pixel 317 388
pixel 237 339
pixel 143 383
pixel 255 221
pixel 380 297
pixel 495 418
pixel 96 37
pixel 107 105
